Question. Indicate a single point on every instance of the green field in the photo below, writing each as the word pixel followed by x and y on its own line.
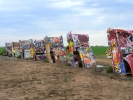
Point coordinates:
pixel 99 51
pixel 2 50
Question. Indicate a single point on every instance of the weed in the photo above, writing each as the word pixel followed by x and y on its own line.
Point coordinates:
pixel 68 64
pixel 67 79
pixel 45 60
pixel 19 56
pixel 4 54
pixel 109 69
pixel 28 58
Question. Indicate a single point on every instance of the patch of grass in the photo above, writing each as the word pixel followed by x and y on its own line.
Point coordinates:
pixel 68 64
pixel 28 58
pixel 109 69
pixel 4 54
pixel 19 56
pixel 45 60
pixel 2 50
pixel 67 79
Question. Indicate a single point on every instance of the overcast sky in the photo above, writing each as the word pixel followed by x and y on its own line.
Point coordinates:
pixel 34 19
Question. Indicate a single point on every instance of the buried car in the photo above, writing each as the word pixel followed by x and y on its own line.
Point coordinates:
pixel 54 49
pixel 39 50
pixel 8 47
pixel 79 51
pixel 121 50
pixel 26 50
pixel 15 49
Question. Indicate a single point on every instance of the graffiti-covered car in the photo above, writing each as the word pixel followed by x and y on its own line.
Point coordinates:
pixel 39 49
pixel 55 49
pixel 8 47
pixel 79 52
pixel 26 48
pixel 121 50
pixel 15 49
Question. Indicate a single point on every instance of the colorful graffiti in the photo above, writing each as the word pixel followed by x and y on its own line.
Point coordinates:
pixel 8 47
pixel 79 51
pixel 115 56
pixel 26 50
pixel 39 46
pixel 54 40
pixel 108 53
pixel 55 49
pixel 15 49
pixel 48 53
pixel 121 50
pixel 39 49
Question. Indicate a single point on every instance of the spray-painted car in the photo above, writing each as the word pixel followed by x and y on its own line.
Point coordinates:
pixel 79 52
pixel 8 47
pixel 15 49
pixel 55 49
pixel 39 49
pixel 121 50
pixel 26 48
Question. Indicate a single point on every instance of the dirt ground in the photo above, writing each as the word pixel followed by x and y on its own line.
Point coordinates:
pixel 35 80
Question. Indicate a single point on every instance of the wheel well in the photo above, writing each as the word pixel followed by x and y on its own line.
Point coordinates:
pixel 77 58
pixel 52 56
pixel 127 67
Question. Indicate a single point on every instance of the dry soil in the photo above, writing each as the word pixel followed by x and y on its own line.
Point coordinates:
pixel 36 80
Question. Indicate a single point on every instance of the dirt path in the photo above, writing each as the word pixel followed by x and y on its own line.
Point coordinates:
pixel 30 80
pixel 104 61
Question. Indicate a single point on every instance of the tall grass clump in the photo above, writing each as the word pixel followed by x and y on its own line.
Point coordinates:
pixel 4 54
pixel 46 61
pixel 109 69
pixel 19 56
